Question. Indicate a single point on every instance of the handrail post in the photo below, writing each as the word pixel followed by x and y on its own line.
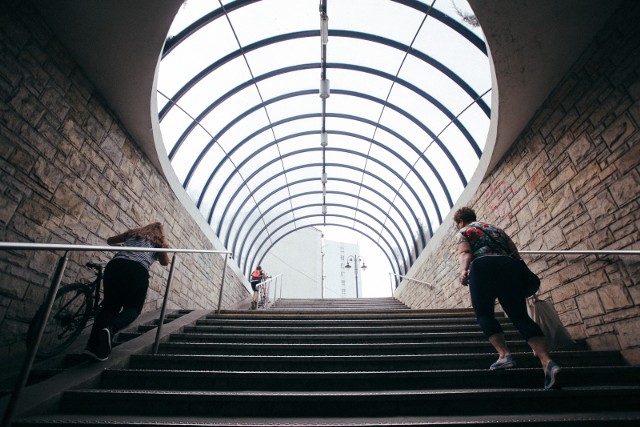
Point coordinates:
pixel 156 344
pixel 31 350
pixel 224 274
pixel 391 284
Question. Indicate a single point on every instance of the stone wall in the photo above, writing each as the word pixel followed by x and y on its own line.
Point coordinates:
pixel 570 181
pixel 71 174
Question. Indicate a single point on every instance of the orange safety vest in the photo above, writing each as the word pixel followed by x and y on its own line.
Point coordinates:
pixel 256 274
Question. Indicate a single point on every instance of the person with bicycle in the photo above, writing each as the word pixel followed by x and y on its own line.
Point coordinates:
pixel 126 280
pixel 257 276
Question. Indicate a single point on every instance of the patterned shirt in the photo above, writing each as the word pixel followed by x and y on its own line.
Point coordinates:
pixel 476 234
pixel 144 258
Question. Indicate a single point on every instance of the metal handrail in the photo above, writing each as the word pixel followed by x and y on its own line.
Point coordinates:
pixel 581 252
pixel 55 285
pixel 408 278
pixel 546 252
pixel 411 278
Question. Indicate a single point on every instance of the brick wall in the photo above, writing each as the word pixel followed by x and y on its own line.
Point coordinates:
pixel 70 173
pixel 570 181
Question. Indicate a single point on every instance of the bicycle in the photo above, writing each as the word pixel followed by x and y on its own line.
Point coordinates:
pixel 73 306
pixel 263 291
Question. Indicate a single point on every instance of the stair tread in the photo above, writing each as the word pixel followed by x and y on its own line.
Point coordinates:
pixel 451 372
pixel 612 417
pixel 436 393
pixel 357 357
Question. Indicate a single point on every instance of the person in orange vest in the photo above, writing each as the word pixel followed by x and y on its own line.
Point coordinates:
pixel 257 277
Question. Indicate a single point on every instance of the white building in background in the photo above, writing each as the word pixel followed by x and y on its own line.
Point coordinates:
pixel 340 282
pixel 311 267
pixel 298 258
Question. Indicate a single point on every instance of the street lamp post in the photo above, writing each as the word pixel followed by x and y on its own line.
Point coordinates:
pixel 356 259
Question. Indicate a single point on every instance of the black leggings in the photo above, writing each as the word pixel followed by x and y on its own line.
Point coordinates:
pixel 498 277
pixel 125 290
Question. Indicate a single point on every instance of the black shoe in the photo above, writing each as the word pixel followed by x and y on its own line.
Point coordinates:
pixel 103 349
pixel 551 376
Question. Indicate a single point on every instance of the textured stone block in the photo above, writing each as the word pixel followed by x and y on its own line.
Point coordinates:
pixel 589 305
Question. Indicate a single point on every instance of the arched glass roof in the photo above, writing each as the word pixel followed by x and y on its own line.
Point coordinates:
pixel 368 115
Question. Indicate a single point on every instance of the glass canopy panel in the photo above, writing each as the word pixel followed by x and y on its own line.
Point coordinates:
pixel 284 54
pixel 194 54
pixel 476 121
pixel 294 80
pixel 243 146
pixel 295 126
pixel 448 47
pixel 264 19
pixel 208 91
pixel 364 53
pixel 432 82
pixel 361 108
pixel 380 17
pixel 358 81
pixel 172 128
pixel 302 105
pixel 420 110
pixel 338 125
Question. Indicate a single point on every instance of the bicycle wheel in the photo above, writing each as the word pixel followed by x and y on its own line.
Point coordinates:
pixel 69 314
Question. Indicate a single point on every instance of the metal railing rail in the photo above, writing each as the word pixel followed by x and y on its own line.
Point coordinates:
pixel 543 252
pixel 412 279
pixel 55 285
pixel 581 252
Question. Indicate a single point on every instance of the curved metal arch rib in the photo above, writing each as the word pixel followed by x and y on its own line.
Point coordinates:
pixel 384 147
pixel 419 228
pixel 309 225
pixel 319 149
pixel 309 193
pixel 313 33
pixel 175 41
pixel 239 254
pixel 420 153
pixel 251 110
pixel 379 235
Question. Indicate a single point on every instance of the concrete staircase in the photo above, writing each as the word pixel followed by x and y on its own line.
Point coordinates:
pixel 364 362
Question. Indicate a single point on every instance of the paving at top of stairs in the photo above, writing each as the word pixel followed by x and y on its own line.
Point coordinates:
pixel 387 369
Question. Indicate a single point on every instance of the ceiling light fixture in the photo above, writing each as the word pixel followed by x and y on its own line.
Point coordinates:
pixel 324 88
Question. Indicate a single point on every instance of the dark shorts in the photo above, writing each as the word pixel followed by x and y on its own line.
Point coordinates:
pixel 254 283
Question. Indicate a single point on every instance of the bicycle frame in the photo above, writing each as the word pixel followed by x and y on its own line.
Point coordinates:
pixel 97 284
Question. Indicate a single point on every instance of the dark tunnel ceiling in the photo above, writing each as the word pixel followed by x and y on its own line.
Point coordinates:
pixel 264 150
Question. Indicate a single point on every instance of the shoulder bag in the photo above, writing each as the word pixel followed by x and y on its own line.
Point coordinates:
pixel 530 279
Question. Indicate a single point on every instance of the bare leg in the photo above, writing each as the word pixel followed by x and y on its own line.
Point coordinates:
pixel 541 349
pixel 498 342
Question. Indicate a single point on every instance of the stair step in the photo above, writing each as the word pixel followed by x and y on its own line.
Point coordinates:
pixel 347 349
pixel 328 322
pixel 582 419
pixel 361 363
pixel 336 329
pixel 193 334
pixel 360 381
pixel 355 314
pixel 349 404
